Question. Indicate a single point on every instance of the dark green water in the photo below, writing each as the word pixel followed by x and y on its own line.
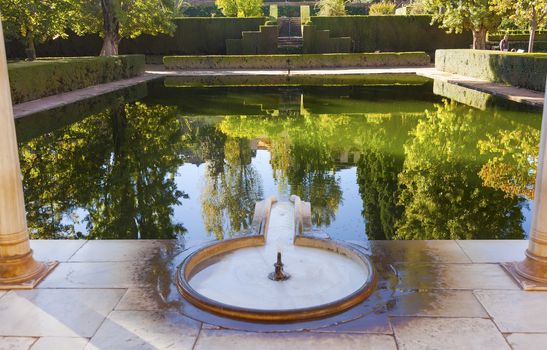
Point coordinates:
pixel 377 162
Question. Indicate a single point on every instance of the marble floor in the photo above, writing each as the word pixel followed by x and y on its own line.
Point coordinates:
pixel 121 295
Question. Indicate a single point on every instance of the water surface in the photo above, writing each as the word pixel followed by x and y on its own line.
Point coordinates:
pixel 376 162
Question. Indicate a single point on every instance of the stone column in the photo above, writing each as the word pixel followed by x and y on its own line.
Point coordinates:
pixel 18 269
pixel 531 273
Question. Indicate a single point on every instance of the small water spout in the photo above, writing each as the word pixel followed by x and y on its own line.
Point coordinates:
pixel 279 274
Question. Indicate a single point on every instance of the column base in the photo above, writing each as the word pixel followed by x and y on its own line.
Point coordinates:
pixel 530 274
pixel 23 272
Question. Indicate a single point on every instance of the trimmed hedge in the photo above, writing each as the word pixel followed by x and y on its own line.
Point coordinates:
pixel 392 33
pixel 517 69
pixel 193 36
pixel 521 35
pixel 46 77
pixel 254 42
pixel 319 41
pixel 539 46
pixel 297 61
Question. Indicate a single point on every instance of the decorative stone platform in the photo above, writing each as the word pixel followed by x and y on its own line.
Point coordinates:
pixel 121 295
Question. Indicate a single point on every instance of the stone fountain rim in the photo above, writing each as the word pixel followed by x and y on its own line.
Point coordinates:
pixel 194 261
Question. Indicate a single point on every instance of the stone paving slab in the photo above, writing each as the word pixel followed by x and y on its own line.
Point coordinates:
pixel 488 251
pixel 440 303
pixel 368 324
pixel 144 299
pixel 520 341
pixel 453 276
pixel 145 330
pixel 48 250
pixel 121 250
pixel 16 343
pixel 56 312
pixel 60 343
pixel 447 333
pixel 98 275
pixel 516 311
pixel 445 294
pixel 221 340
pixel 418 252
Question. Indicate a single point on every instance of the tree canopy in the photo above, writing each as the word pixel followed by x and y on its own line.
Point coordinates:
pixel 524 13
pixel 118 19
pixel 331 8
pixel 240 8
pixel 457 16
pixel 35 21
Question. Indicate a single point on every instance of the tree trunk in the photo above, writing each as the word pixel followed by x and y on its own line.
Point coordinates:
pixel 110 45
pixel 111 27
pixel 30 50
pixel 533 28
pixel 479 39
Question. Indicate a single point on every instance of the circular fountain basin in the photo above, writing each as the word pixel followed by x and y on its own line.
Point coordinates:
pixel 230 277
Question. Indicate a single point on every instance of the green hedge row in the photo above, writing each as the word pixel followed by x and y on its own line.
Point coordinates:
pixel 392 33
pixel 320 41
pixel 517 69
pixel 46 77
pixel 521 35
pixel 263 41
pixel 297 61
pixel 539 46
pixel 193 36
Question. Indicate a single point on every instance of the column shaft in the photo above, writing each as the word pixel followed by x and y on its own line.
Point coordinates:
pixel 18 269
pixel 534 266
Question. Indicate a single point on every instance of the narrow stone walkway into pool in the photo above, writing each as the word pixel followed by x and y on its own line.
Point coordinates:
pixel 121 295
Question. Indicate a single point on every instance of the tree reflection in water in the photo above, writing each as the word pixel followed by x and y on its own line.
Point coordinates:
pixel 441 192
pixel 449 172
pixel 118 165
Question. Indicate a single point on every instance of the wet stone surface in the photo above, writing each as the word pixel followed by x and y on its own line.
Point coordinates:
pixel 414 306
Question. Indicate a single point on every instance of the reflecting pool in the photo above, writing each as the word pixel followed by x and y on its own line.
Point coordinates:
pixel 376 162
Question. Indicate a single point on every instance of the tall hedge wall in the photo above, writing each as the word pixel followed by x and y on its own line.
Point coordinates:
pixel 392 33
pixel 320 41
pixel 193 36
pixel 330 60
pixel 517 69
pixel 46 77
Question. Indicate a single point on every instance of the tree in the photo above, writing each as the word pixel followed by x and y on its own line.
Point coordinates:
pixel 112 172
pixel 240 8
pixel 457 16
pixel 529 13
pixel 512 165
pixel 442 194
pixel 35 21
pixel 382 8
pixel 227 7
pixel 118 19
pixel 331 8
